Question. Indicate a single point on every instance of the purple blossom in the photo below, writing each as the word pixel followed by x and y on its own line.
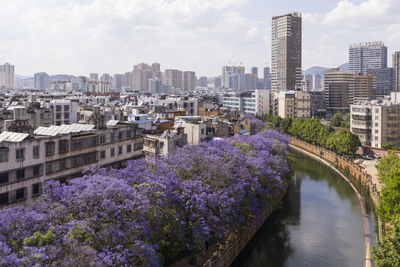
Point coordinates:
pixel 148 214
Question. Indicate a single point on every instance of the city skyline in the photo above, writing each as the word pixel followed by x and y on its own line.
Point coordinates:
pixel 189 35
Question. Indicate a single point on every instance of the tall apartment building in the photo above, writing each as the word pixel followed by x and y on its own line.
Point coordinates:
pixel 365 56
pixel 155 86
pixel 233 77
pixel 396 67
pixel 267 78
pixel 118 81
pixel 141 75
pixel 173 78
pixel 105 77
pixel 364 87
pixel 189 81
pixel 377 122
pixel 339 89
pixel 385 81
pixel 94 76
pixel 286 50
pixel 41 81
pixel 316 82
pixel 60 152
pixel 7 76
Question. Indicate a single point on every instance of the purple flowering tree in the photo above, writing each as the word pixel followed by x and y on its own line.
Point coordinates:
pixel 149 214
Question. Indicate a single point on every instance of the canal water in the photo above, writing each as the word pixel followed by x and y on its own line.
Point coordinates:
pixel 320 223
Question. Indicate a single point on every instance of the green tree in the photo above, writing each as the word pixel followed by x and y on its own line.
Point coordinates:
pixel 387 165
pixel 346 121
pixel 286 124
pixel 343 142
pixel 388 252
pixel 387 146
pixel 337 119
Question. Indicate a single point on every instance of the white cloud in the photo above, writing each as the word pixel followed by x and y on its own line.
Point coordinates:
pixel 367 13
pixel 111 35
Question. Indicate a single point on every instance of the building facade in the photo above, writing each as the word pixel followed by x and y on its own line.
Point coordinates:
pixel 339 89
pixel 7 72
pixel 385 81
pixel 60 152
pixel 366 56
pixel 286 52
pixel 396 67
pixel 377 122
pixel 41 81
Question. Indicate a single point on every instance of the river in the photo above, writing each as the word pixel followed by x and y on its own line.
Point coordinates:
pixel 320 223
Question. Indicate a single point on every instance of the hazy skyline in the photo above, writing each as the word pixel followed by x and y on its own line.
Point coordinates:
pixel 110 36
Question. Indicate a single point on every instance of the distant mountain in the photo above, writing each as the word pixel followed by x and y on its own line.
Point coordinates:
pixel 320 70
pixel 344 66
pixel 21 77
pixel 315 70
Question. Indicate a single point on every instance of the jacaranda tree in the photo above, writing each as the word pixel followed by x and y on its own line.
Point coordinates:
pixel 150 213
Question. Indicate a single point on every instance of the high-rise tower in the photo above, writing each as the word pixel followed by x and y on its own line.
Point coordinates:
pixel 286 52
pixel 367 56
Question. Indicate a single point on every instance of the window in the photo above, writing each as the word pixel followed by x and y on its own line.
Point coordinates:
pixel 50 149
pixel 112 152
pixel 138 146
pixel 20 194
pixel 3 198
pixel 4 178
pixel 128 148
pixel 202 131
pixel 3 154
pixel 128 134
pixel 66 116
pixel 63 146
pixel 63 164
pixel 58 116
pixel 19 152
pixel 120 150
pixel 36 152
pixel 35 189
pixel 102 139
pixel 103 154
pixel 20 174
pixel 36 170
pixel 376 124
pixel 66 108
pixel 120 135
pixel 112 137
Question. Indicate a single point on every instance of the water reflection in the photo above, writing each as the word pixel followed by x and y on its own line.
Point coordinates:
pixel 320 223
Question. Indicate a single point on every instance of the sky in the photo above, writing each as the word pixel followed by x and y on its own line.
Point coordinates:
pixel 110 36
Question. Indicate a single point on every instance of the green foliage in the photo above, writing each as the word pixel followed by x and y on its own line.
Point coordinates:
pixel 286 124
pixel 388 252
pixel 37 239
pixel 337 119
pixel 340 120
pixel 346 121
pixel 313 131
pixel 343 142
pixel 386 166
pixel 387 146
